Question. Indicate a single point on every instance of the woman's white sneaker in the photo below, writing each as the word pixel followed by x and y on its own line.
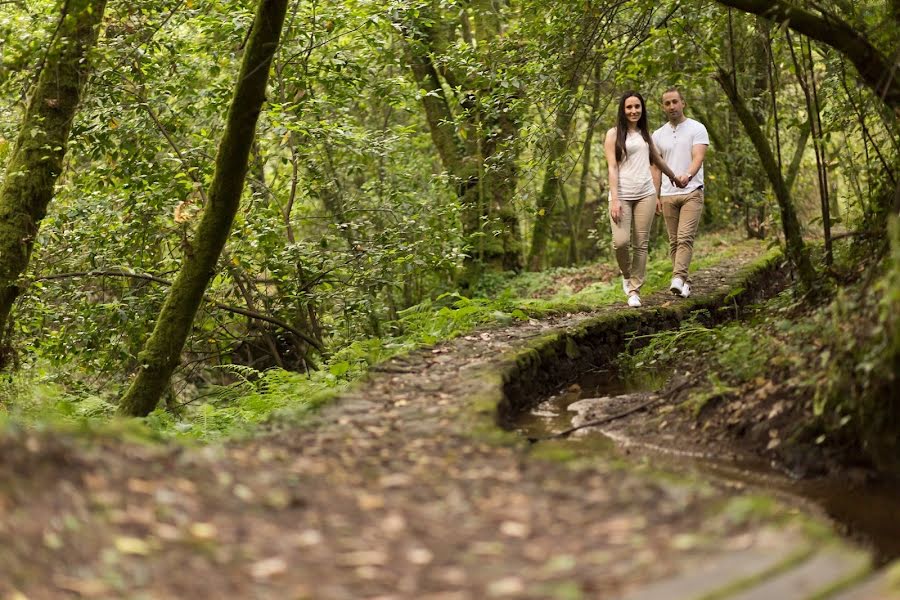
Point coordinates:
pixel 634 301
pixel 685 290
pixel 677 286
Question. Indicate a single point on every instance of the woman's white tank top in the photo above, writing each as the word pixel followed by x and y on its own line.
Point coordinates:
pixel 635 180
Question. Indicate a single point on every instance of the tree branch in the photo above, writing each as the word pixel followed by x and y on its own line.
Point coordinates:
pixel 147 277
pixel 875 69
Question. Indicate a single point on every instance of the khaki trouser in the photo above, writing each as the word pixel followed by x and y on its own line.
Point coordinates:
pixel 682 214
pixel 631 254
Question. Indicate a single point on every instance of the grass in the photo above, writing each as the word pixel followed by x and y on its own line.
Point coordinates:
pixel 45 395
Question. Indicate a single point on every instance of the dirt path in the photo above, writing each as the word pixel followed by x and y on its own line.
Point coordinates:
pixel 400 490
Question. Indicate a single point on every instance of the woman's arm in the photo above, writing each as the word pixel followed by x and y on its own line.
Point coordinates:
pixel 609 148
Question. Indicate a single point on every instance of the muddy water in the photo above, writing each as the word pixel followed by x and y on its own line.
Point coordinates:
pixel 869 513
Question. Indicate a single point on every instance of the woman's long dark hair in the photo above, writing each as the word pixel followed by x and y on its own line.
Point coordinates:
pixel 622 125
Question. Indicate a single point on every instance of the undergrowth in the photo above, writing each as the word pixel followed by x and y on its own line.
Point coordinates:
pixel 246 397
pixel 838 359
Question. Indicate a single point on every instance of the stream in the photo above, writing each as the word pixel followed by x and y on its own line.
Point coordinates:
pixel 868 513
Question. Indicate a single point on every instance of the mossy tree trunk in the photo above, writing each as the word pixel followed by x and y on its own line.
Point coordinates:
pixel 557 146
pixel 36 160
pixel 796 250
pixel 162 351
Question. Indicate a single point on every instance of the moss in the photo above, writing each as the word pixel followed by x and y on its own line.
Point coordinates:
pixel 36 161
pixel 128 430
pixel 549 358
pixel 697 403
pixel 162 350
pixel 553 452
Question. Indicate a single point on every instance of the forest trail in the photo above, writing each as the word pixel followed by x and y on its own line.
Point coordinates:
pixel 398 490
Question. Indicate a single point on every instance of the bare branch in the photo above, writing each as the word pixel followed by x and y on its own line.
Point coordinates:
pixel 147 277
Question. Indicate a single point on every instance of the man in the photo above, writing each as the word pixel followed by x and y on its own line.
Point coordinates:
pixel 682 142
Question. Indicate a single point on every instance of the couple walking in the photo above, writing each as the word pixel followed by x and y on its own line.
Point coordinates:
pixel 637 191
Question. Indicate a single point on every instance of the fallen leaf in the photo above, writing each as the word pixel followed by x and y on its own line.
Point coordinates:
pixel 309 537
pixel 141 486
pixel 506 587
pixel 393 523
pixel 395 480
pixel 514 529
pixel 87 588
pixel 204 531
pixel 362 558
pixel 419 556
pixel 369 501
pixel 268 568
pixel 132 545
pixel 243 492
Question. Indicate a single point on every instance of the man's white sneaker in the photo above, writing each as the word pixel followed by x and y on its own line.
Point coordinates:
pixel 634 301
pixel 677 286
pixel 685 290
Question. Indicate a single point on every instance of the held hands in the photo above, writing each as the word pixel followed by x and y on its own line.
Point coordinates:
pixel 679 181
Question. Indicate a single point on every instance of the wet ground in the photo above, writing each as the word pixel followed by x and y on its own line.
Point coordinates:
pixel 863 510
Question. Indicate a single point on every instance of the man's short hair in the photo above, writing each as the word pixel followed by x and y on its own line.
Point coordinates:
pixel 674 89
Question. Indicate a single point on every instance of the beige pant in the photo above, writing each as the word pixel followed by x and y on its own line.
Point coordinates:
pixel 631 251
pixel 682 215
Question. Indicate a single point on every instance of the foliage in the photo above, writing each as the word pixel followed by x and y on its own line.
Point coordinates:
pixel 253 398
pixel 221 410
pixel 350 229
pixel 862 329
pixel 838 360
pixel 734 352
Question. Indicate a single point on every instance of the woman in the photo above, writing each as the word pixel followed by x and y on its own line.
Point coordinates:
pixel 632 195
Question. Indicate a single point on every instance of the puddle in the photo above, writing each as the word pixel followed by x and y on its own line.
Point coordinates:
pixel 868 513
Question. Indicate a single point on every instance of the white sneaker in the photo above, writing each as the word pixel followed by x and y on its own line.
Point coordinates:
pixel 685 290
pixel 625 286
pixel 634 301
pixel 677 286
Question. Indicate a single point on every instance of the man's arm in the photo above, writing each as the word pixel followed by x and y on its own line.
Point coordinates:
pixel 698 153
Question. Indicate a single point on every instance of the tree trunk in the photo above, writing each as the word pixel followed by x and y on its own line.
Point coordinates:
pixel 796 250
pixel 875 69
pixel 794 168
pixel 482 167
pixel 547 198
pixel 36 159
pixel 571 76
pixel 162 352
pixel 593 116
